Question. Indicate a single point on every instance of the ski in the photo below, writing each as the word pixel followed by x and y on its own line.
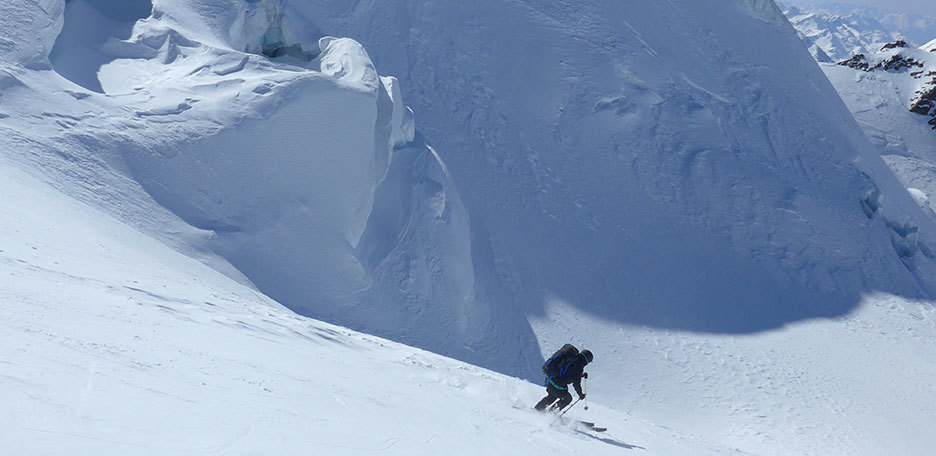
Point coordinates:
pixel 592 426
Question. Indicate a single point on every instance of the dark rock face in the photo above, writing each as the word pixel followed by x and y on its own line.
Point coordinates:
pixel 924 103
pixel 899 62
pixel 895 44
pixel 896 63
pixel 858 62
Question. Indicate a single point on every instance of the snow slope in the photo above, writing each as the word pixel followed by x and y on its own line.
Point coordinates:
pixel 859 385
pixel 890 93
pixel 115 344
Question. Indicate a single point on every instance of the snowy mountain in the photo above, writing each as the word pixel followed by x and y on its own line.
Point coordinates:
pixel 930 46
pixel 911 26
pixel 892 93
pixel 690 200
pixel 833 38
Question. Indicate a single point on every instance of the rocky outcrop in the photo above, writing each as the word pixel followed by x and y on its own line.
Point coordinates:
pixel 894 45
pixel 896 57
pixel 895 63
pixel 925 102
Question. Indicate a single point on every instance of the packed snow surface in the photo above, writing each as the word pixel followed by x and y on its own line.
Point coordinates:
pixel 690 200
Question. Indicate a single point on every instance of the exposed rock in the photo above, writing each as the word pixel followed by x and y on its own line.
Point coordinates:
pixel 858 62
pixel 925 102
pixel 894 45
pixel 895 63
pixel 899 62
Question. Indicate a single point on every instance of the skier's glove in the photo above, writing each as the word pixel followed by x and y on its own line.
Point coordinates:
pixel 584 374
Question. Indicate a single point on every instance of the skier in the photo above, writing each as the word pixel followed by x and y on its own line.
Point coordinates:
pixel 565 366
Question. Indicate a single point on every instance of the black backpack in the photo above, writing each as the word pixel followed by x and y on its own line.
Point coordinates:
pixel 560 358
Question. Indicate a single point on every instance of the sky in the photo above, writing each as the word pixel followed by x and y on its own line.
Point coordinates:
pixel 925 7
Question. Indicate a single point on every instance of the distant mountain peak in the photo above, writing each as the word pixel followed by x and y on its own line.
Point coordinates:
pixel 915 27
pixel 840 36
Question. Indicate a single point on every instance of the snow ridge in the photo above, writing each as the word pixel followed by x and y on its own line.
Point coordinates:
pixel 767 10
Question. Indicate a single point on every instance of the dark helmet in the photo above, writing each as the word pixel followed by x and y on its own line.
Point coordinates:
pixel 588 355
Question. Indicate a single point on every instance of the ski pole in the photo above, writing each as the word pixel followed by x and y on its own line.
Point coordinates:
pixel 566 410
pixel 585 390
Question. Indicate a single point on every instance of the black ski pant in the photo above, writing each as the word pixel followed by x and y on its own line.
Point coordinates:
pixel 553 393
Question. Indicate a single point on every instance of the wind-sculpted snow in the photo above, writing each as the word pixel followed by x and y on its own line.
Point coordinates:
pixel 611 144
pixel 615 142
pixel 87 40
pixel 644 164
pixel 30 45
pixel 286 181
pixel 274 164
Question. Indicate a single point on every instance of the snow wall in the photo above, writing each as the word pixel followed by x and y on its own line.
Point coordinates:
pixel 679 165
